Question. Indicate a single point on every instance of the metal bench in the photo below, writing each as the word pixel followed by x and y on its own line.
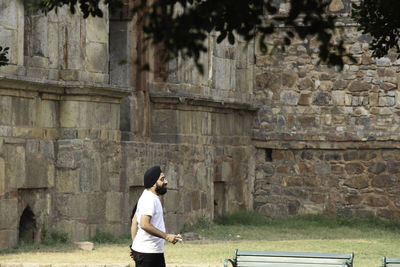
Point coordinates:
pixel 391 262
pixel 289 259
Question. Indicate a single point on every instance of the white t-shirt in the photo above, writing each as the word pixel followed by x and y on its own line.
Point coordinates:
pixel 149 204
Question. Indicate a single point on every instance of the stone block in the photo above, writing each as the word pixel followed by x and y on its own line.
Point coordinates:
pixel 96 29
pixel 384 181
pixel 87 246
pixel 303 169
pixel 76 230
pixel 269 81
pixel 52 43
pixel 69 114
pixel 383 62
pixel 305 99
pixel 172 201
pixel 2 177
pixel 96 207
pixel 393 167
pixel 90 175
pixel 15 165
pixel 74 144
pixel 8 239
pixel 47 113
pixel 97 77
pixel 350 155
pixel 68 75
pixel 306 84
pixel 9 207
pixel 68 159
pixel 354 168
pixel 289 98
pixel 40 172
pixel 322 99
pixel 164 121
pixel 377 167
pixel 311 209
pixel 226 171
pixel 72 206
pixel 338 97
pixel 97 57
pixel 113 206
pixel 376 201
pixel 172 172
pixel 224 74
pixel 67 181
pixel 292 181
pixel 5 110
pixel 359 86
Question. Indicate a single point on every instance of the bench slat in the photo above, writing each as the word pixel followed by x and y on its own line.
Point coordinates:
pixel 392 264
pixel 293 254
pixel 282 264
pixel 241 258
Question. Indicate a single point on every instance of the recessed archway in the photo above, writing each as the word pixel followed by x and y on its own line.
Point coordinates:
pixel 27 226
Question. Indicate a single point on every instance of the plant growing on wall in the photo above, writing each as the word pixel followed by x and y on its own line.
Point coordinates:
pixel 3 56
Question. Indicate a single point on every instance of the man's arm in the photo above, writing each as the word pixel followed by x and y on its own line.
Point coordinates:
pixel 149 228
pixel 134 227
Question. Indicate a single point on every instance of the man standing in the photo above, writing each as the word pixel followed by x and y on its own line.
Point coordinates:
pixel 148 228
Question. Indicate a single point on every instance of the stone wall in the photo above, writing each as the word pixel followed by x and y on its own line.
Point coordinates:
pixel 64 111
pixel 58 47
pixel 304 101
pixel 353 182
pixel 327 139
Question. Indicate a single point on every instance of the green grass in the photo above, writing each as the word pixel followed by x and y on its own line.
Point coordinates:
pixel 102 237
pixel 369 238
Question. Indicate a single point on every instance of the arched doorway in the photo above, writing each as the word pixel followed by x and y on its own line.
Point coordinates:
pixel 27 226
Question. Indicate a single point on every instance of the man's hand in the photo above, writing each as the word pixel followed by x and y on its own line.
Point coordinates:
pixel 131 253
pixel 173 238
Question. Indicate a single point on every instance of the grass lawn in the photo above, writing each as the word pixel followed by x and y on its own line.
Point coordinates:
pixel 369 239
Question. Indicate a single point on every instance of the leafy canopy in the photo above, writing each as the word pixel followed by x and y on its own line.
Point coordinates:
pixel 182 26
pixel 380 19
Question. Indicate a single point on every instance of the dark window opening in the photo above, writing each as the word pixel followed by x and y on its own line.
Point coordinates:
pixel 268 154
pixel 219 198
pixel 27 226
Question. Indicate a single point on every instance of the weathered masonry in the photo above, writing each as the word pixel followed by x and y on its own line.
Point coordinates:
pixel 327 141
pixel 78 128
pixel 80 124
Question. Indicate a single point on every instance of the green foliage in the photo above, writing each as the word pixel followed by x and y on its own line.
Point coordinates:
pixel 88 7
pixel 184 32
pixel 53 238
pixel 181 27
pixel 3 56
pixel 103 237
pixel 380 19
pixel 243 218
pixel 201 224
pixel 246 218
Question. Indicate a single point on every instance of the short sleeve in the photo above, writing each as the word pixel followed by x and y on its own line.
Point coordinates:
pixel 148 206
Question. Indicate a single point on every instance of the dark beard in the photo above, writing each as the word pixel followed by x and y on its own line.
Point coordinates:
pixel 161 190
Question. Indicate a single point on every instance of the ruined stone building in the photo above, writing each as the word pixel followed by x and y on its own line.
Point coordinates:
pixel 278 134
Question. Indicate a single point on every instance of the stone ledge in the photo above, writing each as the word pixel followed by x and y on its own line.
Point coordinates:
pixel 329 145
pixel 61 87
pixel 197 100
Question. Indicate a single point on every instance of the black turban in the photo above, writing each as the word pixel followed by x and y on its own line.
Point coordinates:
pixel 151 176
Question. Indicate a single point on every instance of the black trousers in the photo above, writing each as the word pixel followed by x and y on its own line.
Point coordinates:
pixel 148 259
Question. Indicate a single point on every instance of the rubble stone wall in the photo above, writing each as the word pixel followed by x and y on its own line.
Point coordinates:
pixel 350 182
pixel 327 139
